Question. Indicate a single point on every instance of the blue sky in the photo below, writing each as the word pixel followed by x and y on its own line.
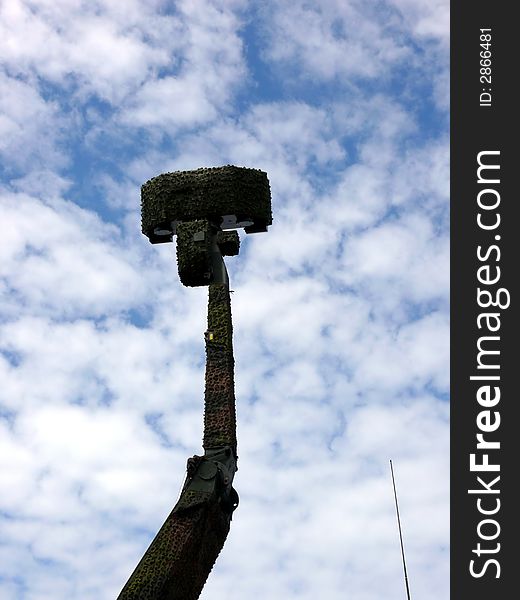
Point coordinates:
pixel 340 311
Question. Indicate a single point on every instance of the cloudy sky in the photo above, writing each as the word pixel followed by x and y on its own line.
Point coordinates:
pixel 340 310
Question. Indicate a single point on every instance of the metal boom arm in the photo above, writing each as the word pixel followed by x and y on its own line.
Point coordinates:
pixel 180 558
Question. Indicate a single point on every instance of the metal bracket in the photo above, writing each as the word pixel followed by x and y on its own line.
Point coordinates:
pixel 210 477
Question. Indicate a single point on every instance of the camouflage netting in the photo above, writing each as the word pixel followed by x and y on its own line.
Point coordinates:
pixel 228 243
pixel 219 404
pixel 193 252
pixel 195 205
pixel 180 558
pixel 205 194
pixel 194 247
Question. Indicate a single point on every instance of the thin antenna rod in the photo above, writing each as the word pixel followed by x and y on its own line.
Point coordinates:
pixel 400 533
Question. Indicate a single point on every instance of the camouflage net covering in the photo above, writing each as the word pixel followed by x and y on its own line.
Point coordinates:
pixel 200 207
pixel 196 254
pixel 219 404
pixel 193 252
pixel 228 243
pixel 205 194
pixel 180 558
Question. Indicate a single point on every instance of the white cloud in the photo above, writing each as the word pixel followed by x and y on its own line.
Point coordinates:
pixel 340 311
pixel 107 51
pixel 331 39
pixel 58 257
pixel 415 355
pixel 211 66
pixel 405 256
pixel 426 19
pixel 30 127
pixel 170 101
pixel 326 531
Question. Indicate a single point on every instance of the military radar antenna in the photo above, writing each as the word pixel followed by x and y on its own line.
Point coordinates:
pixel 202 208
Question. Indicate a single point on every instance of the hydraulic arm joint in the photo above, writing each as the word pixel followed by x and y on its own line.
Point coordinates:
pixel 210 478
